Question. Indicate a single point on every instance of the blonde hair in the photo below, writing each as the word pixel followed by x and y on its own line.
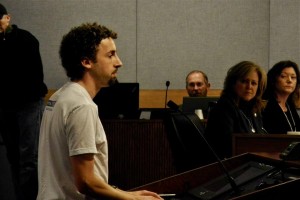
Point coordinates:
pixel 239 71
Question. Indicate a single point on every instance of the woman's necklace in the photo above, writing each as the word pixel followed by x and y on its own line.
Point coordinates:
pixel 249 121
pixel 287 119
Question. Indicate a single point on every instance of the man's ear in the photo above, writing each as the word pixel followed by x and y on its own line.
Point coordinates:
pixel 8 17
pixel 86 63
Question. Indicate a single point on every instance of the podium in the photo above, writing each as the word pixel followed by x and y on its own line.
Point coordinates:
pixel 213 178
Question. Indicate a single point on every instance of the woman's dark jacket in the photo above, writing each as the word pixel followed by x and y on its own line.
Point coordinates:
pixel 225 119
pixel 275 121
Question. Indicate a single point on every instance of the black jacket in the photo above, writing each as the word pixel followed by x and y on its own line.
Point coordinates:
pixel 225 119
pixel 22 77
pixel 275 121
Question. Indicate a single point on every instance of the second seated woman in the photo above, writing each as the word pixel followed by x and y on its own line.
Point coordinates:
pixel 282 94
pixel 239 108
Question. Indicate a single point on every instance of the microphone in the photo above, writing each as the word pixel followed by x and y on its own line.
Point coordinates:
pixel 166 97
pixel 167 83
pixel 231 180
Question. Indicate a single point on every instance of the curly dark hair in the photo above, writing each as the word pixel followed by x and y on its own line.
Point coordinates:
pixel 82 43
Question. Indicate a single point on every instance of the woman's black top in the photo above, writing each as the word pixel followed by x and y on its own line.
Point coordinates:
pixel 278 122
pixel 227 118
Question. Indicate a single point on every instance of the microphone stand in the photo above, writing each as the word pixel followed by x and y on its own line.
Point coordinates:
pixel 230 179
pixel 166 97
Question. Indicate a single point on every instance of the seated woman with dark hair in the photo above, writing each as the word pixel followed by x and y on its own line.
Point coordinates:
pixel 282 94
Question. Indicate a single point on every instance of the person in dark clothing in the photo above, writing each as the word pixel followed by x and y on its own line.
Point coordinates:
pixel 22 103
pixel 282 94
pixel 239 108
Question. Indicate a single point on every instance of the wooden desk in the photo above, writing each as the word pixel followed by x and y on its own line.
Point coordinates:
pixel 139 152
pixel 242 143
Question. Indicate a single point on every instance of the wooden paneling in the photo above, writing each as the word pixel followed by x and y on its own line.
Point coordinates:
pixel 156 98
pixel 139 152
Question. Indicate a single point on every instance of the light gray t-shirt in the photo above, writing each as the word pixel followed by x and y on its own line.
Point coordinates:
pixel 70 126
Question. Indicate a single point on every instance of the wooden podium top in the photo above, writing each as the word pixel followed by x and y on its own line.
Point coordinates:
pixel 182 183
